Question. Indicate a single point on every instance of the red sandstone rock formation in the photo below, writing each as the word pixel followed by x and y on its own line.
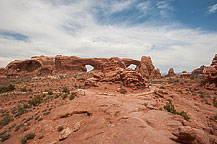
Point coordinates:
pixel 171 73
pixel 211 75
pixel 147 68
pixel 199 71
pixel 185 74
pixel 105 69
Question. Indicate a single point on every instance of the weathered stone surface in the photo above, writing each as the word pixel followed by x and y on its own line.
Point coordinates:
pixel 199 71
pixel 105 69
pixel 189 135
pixel 185 74
pixel 171 73
pixel 211 75
pixel 65 133
pixel 76 126
pixel 146 68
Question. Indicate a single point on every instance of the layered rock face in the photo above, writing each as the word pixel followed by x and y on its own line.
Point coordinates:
pixel 185 74
pixel 105 69
pixel 211 74
pixel 199 71
pixel 171 73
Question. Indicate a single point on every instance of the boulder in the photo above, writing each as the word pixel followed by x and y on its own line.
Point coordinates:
pixel 65 133
pixel 189 135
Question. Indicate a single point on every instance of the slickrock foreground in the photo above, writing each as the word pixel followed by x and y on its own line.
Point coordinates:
pixel 53 100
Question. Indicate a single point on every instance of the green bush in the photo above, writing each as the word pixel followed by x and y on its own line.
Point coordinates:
pixel 50 92
pixel 64 96
pixel 123 91
pixel 173 81
pixel 27 137
pixel 30 136
pixel 202 82
pixel 60 128
pixel 23 89
pixel 72 96
pixel 36 100
pixel 2 133
pixel 65 90
pixel 7 89
pixel 6 120
pixel 184 115
pixel 171 108
pixel 214 102
pixel 5 137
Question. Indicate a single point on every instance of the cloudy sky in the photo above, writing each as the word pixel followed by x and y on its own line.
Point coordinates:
pixel 175 33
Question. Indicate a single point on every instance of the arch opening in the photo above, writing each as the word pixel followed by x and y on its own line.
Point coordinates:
pixel 89 68
pixel 132 66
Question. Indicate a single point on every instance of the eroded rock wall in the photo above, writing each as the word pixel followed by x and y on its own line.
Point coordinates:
pixel 113 69
pixel 211 75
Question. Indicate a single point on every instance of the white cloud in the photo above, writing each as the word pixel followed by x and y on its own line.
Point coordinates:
pixel 213 8
pixel 164 8
pixel 73 29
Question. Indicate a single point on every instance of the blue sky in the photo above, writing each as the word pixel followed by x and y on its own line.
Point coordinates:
pixel 175 33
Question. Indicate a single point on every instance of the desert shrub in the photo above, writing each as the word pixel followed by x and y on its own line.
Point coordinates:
pixel 66 115
pixel 162 87
pixel 215 117
pixel 214 102
pixel 123 91
pixel 60 128
pixel 72 96
pixel 36 100
pixel 5 137
pixel 64 96
pixel 6 120
pixel 173 81
pixel 37 117
pixel 184 115
pixel 202 82
pixel 46 113
pixel 40 119
pixel 23 89
pixel 206 102
pixel 30 136
pixel 145 104
pixel 7 89
pixel 180 91
pixel 50 92
pixel 2 133
pixel 171 108
pixel 65 90
pixel 18 127
pixel 21 109
pixel 27 137
pixel 56 96
pixel 192 77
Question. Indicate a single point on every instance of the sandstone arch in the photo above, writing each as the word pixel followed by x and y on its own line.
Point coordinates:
pixel 27 65
pixel 89 68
